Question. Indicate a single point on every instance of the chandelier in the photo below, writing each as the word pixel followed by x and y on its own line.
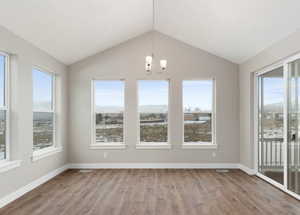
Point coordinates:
pixel 149 59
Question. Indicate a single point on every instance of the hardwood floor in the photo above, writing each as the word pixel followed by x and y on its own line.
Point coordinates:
pixel 160 192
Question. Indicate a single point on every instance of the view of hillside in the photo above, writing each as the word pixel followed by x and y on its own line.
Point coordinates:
pixel 272 120
pixel 153 127
pixel 142 109
pixel 273 108
pixel 42 130
pixel 153 124
pixel 2 135
pixel 109 127
pixel 197 127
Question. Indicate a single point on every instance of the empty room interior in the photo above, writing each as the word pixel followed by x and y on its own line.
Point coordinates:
pixel 149 107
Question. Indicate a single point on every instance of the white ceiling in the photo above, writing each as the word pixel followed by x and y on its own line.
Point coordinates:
pixel 71 30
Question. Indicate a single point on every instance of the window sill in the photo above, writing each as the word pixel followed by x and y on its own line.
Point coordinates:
pixel 40 154
pixel 107 146
pixel 199 146
pixel 153 146
pixel 8 165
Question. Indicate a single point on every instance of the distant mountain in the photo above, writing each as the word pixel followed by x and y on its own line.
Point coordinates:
pixel 153 108
pixel 41 105
pixel 42 116
pixel 109 109
pixel 144 108
pixel 275 107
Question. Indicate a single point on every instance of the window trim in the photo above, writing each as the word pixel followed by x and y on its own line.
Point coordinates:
pixel 45 152
pixel 201 145
pixel 107 145
pixel 153 145
pixel 8 165
pixel 56 147
pixel 6 107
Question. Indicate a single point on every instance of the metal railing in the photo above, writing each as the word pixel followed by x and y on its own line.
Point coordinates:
pixel 271 153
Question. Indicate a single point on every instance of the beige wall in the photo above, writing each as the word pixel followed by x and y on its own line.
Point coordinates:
pixel 123 61
pixel 127 61
pixel 277 52
pixel 24 57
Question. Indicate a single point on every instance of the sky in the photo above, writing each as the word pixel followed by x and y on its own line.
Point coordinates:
pixel 197 94
pixel 42 90
pixel 273 90
pixel 153 92
pixel 41 86
pixel 109 93
pixel 2 66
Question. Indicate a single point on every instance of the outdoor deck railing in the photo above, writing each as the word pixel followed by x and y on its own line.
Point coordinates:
pixel 271 153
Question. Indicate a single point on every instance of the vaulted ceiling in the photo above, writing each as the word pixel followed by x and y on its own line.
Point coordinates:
pixel 71 30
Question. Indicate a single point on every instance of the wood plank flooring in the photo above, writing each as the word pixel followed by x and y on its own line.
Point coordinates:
pixel 154 191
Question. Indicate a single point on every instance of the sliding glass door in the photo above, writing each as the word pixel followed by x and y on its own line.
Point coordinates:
pixel 278 125
pixel 271 124
pixel 293 127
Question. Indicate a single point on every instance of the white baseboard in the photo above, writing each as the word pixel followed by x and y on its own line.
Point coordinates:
pixel 23 190
pixel 246 169
pixel 154 166
pixel 20 192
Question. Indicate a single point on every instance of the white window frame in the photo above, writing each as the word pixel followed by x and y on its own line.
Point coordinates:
pixel 153 145
pixel 7 163
pixel 108 145
pixel 6 108
pixel 201 145
pixel 55 148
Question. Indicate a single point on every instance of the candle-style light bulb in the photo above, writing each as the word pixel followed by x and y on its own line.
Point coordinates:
pixel 163 65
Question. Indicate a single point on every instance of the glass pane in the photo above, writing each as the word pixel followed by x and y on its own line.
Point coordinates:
pixel 198 107
pixel 109 107
pixel 42 90
pixel 293 127
pixel 2 80
pixel 2 135
pixel 42 130
pixel 153 111
pixel 271 122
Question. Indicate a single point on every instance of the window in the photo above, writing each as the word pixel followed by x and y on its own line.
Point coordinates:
pixel 108 113
pixel 198 109
pixel 4 110
pixel 43 109
pixel 153 111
